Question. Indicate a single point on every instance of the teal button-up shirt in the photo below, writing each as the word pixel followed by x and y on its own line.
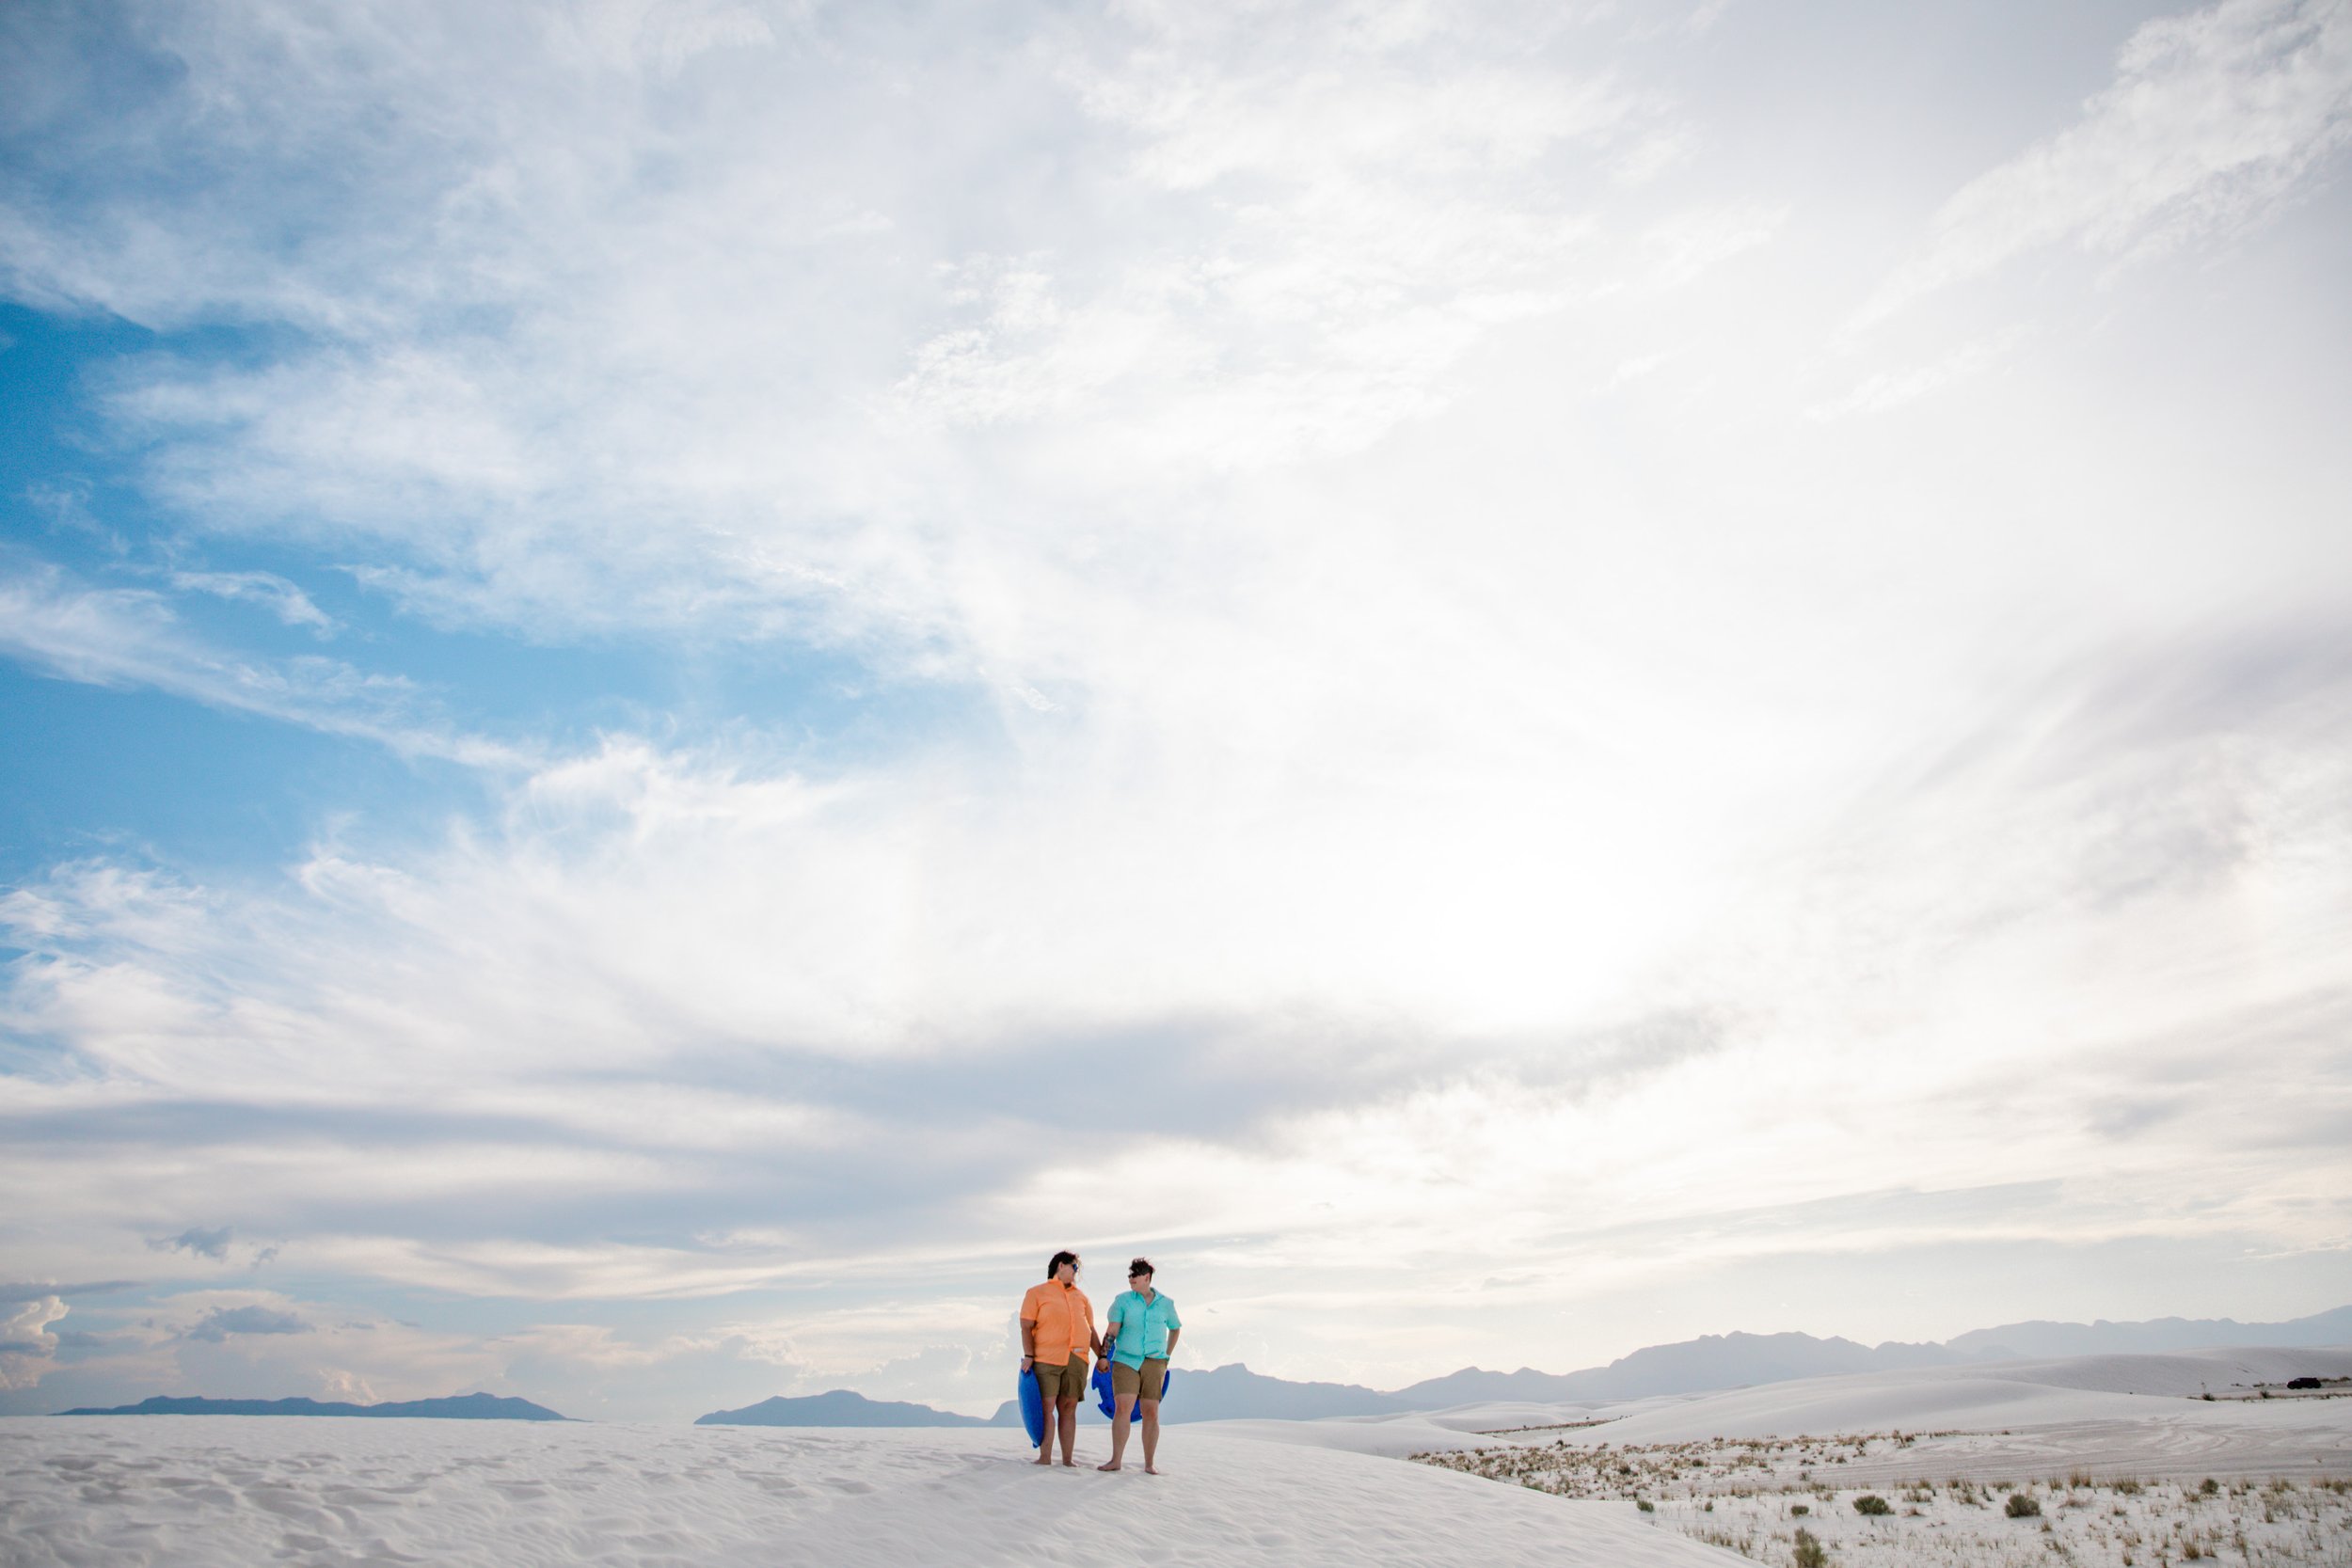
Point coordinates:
pixel 1144 1326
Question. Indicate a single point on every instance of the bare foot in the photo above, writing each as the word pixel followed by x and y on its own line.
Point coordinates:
pixel 1112 1465
pixel 1069 1464
pixel 1151 1471
pixel 1044 1459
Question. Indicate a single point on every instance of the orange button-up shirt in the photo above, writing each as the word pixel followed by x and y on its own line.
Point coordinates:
pixel 1064 1319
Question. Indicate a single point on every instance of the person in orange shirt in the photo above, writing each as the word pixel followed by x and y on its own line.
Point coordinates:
pixel 1056 1332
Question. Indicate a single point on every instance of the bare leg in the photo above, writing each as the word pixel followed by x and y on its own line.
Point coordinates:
pixel 1150 1435
pixel 1068 1429
pixel 1119 1418
pixel 1046 1441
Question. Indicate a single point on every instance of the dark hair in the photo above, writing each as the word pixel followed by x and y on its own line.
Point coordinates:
pixel 1053 1264
pixel 1141 1266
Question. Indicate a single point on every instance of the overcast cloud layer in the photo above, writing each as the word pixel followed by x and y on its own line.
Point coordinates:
pixel 1511 681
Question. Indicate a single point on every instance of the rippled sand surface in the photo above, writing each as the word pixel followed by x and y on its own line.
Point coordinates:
pixel 194 1491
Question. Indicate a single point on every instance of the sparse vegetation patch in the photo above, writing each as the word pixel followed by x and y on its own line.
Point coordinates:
pixel 1768 1501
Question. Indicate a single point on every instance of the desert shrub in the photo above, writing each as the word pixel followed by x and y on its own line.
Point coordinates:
pixel 2128 1486
pixel 2021 1507
pixel 1798 1511
pixel 1645 1505
pixel 2209 1486
pixel 1872 1504
pixel 1810 1553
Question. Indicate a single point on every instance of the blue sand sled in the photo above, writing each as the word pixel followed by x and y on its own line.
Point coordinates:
pixel 1106 1401
pixel 1032 1408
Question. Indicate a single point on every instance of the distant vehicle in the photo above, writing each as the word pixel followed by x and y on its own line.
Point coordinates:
pixel 2302 1383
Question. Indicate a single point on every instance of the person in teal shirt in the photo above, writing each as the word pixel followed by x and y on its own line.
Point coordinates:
pixel 1142 1332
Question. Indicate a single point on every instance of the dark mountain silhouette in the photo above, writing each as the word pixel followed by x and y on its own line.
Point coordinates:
pixel 459 1407
pixel 1711 1361
pixel 1744 1360
pixel 839 1408
pixel 1690 1367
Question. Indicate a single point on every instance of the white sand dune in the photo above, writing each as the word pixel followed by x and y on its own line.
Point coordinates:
pixel 1872 1401
pixel 2014 1394
pixel 2117 1411
pixel 2184 1373
pixel 2107 1414
pixel 1388 1436
pixel 194 1491
pixel 1464 1426
pixel 2115 1460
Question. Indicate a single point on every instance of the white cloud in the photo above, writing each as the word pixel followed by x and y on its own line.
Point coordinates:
pixel 1677 251
pixel 130 638
pixel 266 1344
pixel 221 1321
pixel 1889 390
pixel 1913 991
pixel 717 415
pixel 1343 236
pixel 281 599
pixel 204 1243
pixel 2213 119
pixel 25 1342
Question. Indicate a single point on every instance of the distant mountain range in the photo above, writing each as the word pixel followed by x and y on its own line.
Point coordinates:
pixel 2013 1341
pixel 839 1408
pixel 1690 1367
pixel 1225 1393
pixel 1235 1392
pixel 461 1407
pixel 1695 1365
pixel 1742 1360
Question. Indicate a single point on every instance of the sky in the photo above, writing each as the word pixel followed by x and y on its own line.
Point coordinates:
pixel 684 679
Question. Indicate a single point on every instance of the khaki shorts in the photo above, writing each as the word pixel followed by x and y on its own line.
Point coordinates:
pixel 1140 1384
pixel 1058 1385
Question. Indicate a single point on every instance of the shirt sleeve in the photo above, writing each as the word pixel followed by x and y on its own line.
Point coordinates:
pixel 1028 1307
pixel 1173 1321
